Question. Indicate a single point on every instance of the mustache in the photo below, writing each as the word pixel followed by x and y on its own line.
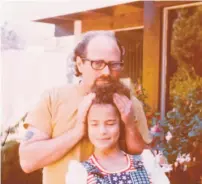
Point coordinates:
pixel 110 83
pixel 105 78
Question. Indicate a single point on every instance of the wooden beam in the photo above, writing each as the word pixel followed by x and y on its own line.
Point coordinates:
pixel 109 11
pixel 151 53
pixel 171 3
pixel 126 9
pixel 116 22
pixel 97 24
pixel 92 15
pixel 134 19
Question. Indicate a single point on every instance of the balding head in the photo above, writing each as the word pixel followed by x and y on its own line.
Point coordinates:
pixel 103 42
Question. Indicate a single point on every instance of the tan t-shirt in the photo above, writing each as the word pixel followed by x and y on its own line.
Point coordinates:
pixel 56 114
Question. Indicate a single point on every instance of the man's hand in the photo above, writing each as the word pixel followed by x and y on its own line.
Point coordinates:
pixel 82 113
pixel 125 108
pixel 133 138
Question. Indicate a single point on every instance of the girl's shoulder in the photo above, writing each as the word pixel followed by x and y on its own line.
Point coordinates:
pixel 90 166
pixel 152 167
pixel 76 173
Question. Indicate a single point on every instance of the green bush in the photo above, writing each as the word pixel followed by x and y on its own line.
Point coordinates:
pixel 184 122
pixel 11 171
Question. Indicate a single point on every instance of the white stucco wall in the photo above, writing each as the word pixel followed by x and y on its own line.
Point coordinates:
pixel 27 73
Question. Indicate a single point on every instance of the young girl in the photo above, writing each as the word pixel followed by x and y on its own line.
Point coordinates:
pixel 109 164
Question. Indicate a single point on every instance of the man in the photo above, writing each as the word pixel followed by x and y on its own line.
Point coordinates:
pixel 56 130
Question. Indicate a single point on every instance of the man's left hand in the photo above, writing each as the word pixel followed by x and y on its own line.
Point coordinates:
pixel 125 108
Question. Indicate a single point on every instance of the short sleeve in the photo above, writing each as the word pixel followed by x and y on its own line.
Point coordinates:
pixel 76 174
pixel 40 116
pixel 141 120
pixel 153 168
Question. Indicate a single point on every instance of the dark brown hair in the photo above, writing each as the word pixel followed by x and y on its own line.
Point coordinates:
pixel 104 93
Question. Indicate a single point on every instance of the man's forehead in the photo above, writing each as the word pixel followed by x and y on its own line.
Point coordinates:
pixel 102 45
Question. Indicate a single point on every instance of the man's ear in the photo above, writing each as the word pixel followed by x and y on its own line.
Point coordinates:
pixel 79 64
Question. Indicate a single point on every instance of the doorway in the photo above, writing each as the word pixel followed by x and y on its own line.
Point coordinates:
pixel 132 41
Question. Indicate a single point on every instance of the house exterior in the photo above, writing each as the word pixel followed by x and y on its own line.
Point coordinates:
pixel 142 26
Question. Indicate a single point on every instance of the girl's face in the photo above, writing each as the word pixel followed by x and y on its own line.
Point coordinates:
pixel 103 126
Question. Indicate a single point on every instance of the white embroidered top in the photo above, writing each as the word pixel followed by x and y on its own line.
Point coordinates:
pixel 78 173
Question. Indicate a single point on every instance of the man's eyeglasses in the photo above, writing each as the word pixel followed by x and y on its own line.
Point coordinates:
pixel 100 64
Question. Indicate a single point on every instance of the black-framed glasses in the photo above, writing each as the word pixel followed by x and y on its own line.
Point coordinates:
pixel 100 64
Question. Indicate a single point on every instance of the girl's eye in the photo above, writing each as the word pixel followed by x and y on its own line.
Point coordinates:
pixel 110 123
pixel 93 124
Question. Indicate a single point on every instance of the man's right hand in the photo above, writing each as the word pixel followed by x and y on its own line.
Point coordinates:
pixel 82 113
pixel 38 149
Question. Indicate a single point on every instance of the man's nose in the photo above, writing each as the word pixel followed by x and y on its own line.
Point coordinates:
pixel 106 70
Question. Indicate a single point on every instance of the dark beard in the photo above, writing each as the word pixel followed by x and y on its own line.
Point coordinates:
pixel 104 81
pixel 105 90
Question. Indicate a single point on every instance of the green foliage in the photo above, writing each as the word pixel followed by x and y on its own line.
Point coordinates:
pixel 186 43
pixel 9 38
pixel 183 83
pixel 186 48
pixel 11 171
pixel 10 161
pixel 184 122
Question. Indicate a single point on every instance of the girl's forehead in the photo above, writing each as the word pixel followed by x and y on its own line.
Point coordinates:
pixel 102 110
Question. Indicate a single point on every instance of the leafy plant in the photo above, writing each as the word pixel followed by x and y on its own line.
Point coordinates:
pixel 184 122
pixel 11 171
pixel 186 42
pixel 183 82
pixel 9 37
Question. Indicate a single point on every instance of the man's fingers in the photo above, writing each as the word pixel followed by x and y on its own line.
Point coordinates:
pixel 123 103
pixel 124 99
pixel 85 105
pixel 119 103
pixel 121 99
pixel 88 101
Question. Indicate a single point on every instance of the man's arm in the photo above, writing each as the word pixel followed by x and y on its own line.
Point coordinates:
pixel 134 142
pixel 137 133
pixel 135 122
pixel 39 150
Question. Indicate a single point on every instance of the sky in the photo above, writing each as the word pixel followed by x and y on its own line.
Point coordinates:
pixel 37 9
